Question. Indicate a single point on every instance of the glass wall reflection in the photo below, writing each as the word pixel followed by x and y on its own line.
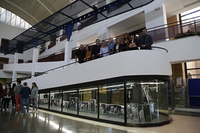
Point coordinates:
pixel 111 98
pixel 44 100
pixel 56 100
pixel 146 101
pixel 70 100
pixel 88 101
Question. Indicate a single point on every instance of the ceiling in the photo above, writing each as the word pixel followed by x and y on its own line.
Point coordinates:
pixel 174 7
pixel 33 11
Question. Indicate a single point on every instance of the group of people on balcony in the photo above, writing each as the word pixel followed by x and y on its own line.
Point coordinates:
pixel 101 50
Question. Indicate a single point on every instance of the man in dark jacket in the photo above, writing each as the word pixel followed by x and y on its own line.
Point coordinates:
pixel 80 54
pixel 25 92
pixel 145 40
pixel 96 49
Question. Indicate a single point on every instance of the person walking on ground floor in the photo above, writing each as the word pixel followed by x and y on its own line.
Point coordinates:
pixel 17 90
pixel 34 93
pixel 13 95
pixel 25 92
pixel 7 95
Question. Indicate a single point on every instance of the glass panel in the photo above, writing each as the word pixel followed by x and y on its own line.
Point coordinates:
pixel 44 100
pixel 13 19
pixel 8 17
pixel 3 15
pixel 18 21
pixel 56 100
pixel 192 74
pixel 26 25
pixel 111 98
pixel 88 101
pixel 70 99
pixel 147 102
pixel 22 23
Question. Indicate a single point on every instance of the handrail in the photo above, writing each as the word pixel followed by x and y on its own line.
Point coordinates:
pixel 198 20
pixel 100 55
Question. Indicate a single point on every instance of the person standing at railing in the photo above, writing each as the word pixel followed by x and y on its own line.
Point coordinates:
pixel 80 54
pixel 126 41
pixel 104 50
pixel 134 43
pixel 96 49
pixel 118 46
pixel 17 90
pixel 145 40
pixel 87 54
pixel 111 45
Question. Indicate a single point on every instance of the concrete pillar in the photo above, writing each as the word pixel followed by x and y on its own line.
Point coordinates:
pixel 108 35
pixel 34 61
pixel 102 33
pixel 14 74
pixel 156 16
pixel 67 52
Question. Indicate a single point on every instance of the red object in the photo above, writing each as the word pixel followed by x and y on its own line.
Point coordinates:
pixel 4 93
pixel 18 102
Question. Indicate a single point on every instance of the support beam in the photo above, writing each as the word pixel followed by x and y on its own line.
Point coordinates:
pixel 45 7
pixel 22 10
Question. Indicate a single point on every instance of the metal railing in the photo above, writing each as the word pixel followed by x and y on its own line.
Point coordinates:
pixel 92 58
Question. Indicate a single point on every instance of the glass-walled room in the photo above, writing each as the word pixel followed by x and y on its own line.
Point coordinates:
pixel 56 100
pixel 111 102
pixel 44 100
pixel 70 101
pixel 88 101
pixel 130 102
pixel 147 102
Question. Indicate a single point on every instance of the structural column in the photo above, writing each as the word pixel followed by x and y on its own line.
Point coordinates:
pixel 34 61
pixel 104 33
pixel 14 74
pixel 67 52
pixel 156 16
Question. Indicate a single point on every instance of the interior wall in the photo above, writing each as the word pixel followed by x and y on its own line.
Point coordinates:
pixel 170 22
pixel 2 80
pixel 9 32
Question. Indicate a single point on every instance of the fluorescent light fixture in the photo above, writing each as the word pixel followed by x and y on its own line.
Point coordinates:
pixel 69 91
pixel 88 89
pixel 151 83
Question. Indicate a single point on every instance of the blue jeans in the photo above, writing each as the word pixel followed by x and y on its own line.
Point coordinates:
pixel 27 104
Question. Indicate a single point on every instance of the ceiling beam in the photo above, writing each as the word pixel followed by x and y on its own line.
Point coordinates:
pixel 22 10
pixel 45 7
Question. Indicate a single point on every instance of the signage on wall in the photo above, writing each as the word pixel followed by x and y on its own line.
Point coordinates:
pixel 179 82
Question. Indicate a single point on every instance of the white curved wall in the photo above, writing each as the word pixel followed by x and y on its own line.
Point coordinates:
pixel 182 50
pixel 130 63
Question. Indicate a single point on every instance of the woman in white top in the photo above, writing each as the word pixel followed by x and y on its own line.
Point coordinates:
pixel 34 93
pixel 118 47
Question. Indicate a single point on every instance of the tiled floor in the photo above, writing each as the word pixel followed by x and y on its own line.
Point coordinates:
pixel 45 122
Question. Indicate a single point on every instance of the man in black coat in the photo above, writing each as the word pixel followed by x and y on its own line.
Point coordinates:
pixel 145 40
pixel 96 49
pixel 80 54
